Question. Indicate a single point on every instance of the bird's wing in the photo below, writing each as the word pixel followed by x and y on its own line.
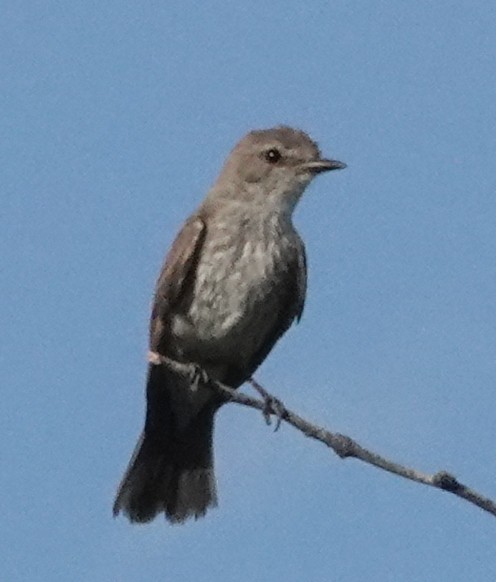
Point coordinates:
pixel 176 277
pixel 301 278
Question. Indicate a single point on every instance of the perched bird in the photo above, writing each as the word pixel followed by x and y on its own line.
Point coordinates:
pixel 232 284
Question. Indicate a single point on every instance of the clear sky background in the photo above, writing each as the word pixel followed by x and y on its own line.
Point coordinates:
pixel 115 119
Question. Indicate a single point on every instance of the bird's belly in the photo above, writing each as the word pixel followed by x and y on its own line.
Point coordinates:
pixel 229 317
pixel 226 323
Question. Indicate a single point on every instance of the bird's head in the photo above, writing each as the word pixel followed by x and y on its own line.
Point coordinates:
pixel 274 166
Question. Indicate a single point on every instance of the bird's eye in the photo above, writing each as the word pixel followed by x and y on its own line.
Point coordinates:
pixel 273 155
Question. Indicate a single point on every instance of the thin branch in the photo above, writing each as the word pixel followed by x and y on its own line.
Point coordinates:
pixel 342 445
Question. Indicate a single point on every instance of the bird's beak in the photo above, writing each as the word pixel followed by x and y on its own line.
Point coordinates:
pixel 323 165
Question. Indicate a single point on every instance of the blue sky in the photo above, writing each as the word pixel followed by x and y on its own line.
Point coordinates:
pixel 116 117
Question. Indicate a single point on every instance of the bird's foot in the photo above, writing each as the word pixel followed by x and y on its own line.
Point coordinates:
pixel 272 405
pixel 197 376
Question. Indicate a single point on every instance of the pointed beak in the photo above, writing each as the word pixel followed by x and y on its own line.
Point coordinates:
pixel 323 165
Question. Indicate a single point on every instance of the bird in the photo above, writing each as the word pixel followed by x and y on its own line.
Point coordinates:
pixel 232 284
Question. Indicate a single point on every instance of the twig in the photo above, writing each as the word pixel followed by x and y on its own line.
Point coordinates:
pixel 342 445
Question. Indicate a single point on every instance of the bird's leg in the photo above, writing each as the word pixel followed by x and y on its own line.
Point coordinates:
pixel 272 405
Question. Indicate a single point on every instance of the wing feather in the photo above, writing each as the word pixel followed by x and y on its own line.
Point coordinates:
pixel 176 278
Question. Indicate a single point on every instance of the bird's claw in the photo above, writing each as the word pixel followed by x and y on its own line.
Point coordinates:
pixel 273 406
pixel 197 376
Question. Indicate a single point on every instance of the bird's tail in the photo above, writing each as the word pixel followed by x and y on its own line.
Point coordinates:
pixel 171 470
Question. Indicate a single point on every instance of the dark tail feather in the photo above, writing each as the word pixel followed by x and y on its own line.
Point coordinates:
pixel 171 470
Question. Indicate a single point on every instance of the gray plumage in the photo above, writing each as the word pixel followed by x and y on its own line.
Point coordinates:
pixel 232 284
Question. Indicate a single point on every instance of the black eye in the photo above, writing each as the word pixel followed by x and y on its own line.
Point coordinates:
pixel 273 155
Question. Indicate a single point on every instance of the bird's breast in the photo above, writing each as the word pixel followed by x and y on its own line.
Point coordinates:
pixel 238 284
